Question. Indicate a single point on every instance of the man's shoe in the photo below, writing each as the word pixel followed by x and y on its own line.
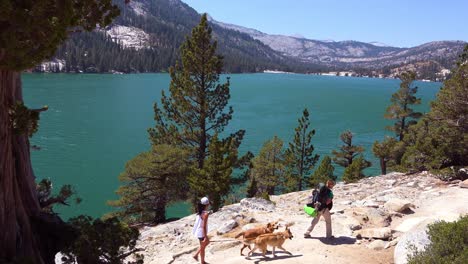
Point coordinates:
pixel 307 235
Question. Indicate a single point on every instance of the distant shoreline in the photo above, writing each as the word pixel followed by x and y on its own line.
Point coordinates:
pixel 230 73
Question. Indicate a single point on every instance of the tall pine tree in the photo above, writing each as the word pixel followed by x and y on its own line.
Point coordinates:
pixel 300 157
pixel 195 110
pixel 440 139
pixel 400 109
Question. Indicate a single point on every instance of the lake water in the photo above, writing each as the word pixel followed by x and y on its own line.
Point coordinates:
pixel 96 122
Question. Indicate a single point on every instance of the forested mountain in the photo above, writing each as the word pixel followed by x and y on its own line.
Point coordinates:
pixel 147 35
pixel 146 38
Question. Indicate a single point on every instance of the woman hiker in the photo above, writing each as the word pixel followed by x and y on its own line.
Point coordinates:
pixel 324 206
pixel 200 229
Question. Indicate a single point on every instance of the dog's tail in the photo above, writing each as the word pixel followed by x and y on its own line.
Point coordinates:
pixel 239 235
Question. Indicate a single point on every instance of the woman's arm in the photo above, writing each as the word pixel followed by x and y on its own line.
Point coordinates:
pixel 205 226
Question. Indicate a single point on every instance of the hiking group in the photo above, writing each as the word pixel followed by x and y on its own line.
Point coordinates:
pixel 320 205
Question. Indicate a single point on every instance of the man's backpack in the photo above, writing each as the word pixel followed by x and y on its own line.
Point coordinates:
pixel 319 196
pixel 323 195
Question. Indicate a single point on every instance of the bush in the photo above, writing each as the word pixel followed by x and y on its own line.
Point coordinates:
pixel 449 244
pixel 353 172
pixel 102 241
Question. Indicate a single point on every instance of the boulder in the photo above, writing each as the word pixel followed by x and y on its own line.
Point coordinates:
pixel 227 227
pixel 417 238
pixel 258 204
pixel 370 216
pixel 379 233
pixel 398 205
pixel 377 245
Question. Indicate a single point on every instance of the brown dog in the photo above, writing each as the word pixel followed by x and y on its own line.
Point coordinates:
pixel 275 240
pixel 250 235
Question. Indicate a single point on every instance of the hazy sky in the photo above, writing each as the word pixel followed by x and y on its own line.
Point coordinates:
pixel 402 23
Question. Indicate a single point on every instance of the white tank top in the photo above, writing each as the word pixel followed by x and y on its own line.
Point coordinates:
pixel 198 227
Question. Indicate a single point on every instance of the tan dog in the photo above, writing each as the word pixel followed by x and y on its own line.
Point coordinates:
pixel 250 235
pixel 275 240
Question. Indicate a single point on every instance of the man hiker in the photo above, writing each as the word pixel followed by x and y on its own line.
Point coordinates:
pixel 324 205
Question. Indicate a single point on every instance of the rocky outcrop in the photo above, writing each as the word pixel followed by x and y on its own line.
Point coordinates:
pixel 370 220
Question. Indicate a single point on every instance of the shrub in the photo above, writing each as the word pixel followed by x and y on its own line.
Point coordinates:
pixel 449 244
pixel 102 241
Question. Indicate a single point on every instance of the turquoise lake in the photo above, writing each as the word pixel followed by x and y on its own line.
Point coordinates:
pixel 97 122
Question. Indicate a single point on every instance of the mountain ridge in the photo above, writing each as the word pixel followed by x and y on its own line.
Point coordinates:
pixel 147 35
pixel 343 52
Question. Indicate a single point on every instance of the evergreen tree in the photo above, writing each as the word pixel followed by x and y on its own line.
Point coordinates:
pixel 385 151
pixel 268 166
pixel 214 179
pixel 152 180
pixel 195 109
pixel 30 32
pixel 252 188
pixel 450 106
pixel 348 151
pixel 400 109
pixel 440 139
pixel 323 173
pixel 353 172
pixel 299 155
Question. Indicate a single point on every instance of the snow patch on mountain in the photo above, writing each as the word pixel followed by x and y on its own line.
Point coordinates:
pixel 129 37
pixel 379 44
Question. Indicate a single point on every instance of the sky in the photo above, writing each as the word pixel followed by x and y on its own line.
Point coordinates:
pixel 400 23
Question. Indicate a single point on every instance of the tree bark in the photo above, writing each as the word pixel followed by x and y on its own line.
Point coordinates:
pixel 19 206
pixel 383 166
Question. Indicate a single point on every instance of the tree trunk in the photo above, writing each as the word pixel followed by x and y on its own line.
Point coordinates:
pixel 402 129
pixel 383 166
pixel 21 220
pixel 160 210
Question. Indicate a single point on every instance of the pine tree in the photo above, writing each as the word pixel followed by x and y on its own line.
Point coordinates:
pixel 353 172
pixel 214 180
pixel 385 151
pixel 195 109
pixel 450 106
pixel 400 109
pixel 440 139
pixel 268 166
pixel 30 32
pixel 152 180
pixel 299 155
pixel 323 173
pixel 348 151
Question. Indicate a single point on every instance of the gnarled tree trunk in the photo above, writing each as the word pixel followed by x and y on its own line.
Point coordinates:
pixel 18 201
